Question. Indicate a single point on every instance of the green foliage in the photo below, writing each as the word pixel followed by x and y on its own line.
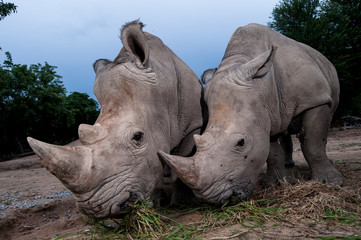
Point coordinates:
pixel 333 27
pixel 34 103
pixel 6 9
pixel 250 214
pixel 83 109
pixel 342 216
pixel 350 237
pixel 296 18
pixel 142 222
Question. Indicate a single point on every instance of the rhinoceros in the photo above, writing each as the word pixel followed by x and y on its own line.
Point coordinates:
pixel 150 101
pixel 266 85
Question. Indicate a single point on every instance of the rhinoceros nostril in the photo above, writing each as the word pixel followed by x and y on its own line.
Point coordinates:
pixel 239 194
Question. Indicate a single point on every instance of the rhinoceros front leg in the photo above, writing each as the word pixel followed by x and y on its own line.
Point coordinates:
pixel 287 146
pixel 275 165
pixel 313 144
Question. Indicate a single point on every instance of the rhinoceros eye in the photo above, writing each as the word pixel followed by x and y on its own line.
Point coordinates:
pixel 240 142
pixel 138 136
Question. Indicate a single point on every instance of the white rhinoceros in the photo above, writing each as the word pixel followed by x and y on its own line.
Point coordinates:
pixel 266 85
pixel 150 100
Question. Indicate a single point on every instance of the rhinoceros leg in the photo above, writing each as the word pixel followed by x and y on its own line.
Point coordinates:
pixel 275 165
pixel 313 144
pixel 287 146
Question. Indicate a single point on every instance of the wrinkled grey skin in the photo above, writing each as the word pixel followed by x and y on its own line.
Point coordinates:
pixel 150 100
pixel 284 139
pixel 266 85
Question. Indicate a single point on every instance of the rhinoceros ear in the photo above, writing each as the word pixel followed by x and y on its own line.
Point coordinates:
pixel 134 41
pixel 258 66
pixel 208 75
pixel 99 65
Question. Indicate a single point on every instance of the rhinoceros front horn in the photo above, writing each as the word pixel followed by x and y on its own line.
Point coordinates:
pixel 184 167
pixel 67 163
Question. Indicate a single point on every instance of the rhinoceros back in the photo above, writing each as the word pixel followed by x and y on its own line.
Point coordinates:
pixel 304 78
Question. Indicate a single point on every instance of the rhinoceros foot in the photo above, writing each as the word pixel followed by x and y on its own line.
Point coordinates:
pixel 276 171
pixel 289 163
pixel 329 175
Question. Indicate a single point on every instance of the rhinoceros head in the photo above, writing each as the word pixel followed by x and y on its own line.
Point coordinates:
pixel 235 145
pixel 116 162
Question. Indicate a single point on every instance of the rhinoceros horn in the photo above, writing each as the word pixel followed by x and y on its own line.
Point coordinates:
pixel 184 167
pixel 70 164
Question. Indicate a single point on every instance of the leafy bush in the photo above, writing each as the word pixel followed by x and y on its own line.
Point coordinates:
pixel 33 102
pixel 333 27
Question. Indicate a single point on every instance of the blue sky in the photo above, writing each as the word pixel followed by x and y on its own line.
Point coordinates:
pixel 73 34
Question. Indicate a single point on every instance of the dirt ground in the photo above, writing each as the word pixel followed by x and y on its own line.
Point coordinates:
pixel 35 205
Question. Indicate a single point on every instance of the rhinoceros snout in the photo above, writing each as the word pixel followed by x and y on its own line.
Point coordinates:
pixel 89 134
pixel 239 195
pixel 101 208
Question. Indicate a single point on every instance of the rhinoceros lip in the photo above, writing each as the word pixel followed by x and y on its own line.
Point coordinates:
pixel 230 195
pixel 233 197
pixel 121 205
pixel 239 195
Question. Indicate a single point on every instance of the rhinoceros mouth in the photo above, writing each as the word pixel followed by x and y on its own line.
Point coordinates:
pixel 240 194
pixel 121 207
pixel 117 207
pixel 226 194
pixel 113 198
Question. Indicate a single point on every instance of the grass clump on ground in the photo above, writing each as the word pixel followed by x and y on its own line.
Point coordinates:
pixel 144 223
pixel 306 202
pixel 316 201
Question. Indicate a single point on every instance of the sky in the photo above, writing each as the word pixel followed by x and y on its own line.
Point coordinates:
pixel 73 34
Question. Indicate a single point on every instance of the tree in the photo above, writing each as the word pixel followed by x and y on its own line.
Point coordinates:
pixel 349 25
pixel 34 103
pixel 6 9
pixel 297 18
pixel 83 110
pixel 333 27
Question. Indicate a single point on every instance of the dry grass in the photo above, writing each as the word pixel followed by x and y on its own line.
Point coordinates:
pixel 313 200
pixel 280 207
pixel 286 203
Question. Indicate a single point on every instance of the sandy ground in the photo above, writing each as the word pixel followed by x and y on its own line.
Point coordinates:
pixel 35 205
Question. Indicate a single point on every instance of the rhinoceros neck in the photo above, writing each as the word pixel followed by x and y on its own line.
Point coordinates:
pixel 231 59
pixel 189 99
pixel 181 91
